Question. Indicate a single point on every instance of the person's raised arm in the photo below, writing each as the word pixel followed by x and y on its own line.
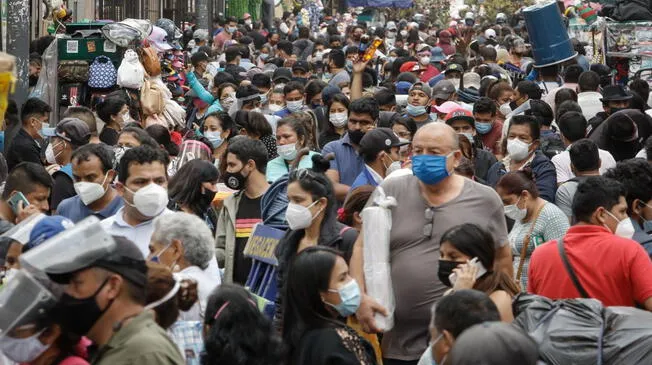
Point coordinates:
pixel 356 79
pixel 202 93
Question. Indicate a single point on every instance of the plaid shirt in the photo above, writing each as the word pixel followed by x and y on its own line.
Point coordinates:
pixel 188 336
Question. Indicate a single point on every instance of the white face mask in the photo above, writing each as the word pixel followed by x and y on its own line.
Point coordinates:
pixel 50 156
pixel 247 22
pixel 517 149
pixel 514 212
pixel 23 350
pixel 455 82
pixel 468 136
pixel 624 229
pixel 126 118
pixel 425 60
pixel 338 120
pixel 150 200
pixel 295 106
pixel 287 151
pixel 89 192
pixel 396 165
pixel 275 108
pixel 298 216
pixel 505 109
pixel 228 102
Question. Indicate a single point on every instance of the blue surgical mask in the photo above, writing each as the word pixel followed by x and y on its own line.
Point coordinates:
pixel 294 106
pixel 263 56
pixel 263 99
pixel 231 29
pixel 215 138
pixel 415 110
pixel 349 65
pixel 647 225
pixel 430 169
pixel 483 127
pixel 349 297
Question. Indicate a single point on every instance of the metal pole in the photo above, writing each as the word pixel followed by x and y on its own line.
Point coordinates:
pixel 202 14
pixel 18 46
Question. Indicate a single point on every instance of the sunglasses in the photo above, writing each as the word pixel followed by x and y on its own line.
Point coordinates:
pixel 428 228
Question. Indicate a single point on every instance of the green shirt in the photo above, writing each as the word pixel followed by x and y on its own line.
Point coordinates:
pixel 140 342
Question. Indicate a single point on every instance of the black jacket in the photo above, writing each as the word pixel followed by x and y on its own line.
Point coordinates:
pixel 23 148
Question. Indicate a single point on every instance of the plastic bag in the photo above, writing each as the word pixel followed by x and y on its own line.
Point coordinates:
pixel 131 73
pixel 151 98
pixel 174 114
pixel 377 269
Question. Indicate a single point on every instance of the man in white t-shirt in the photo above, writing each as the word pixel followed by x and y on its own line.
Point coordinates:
pixel 572 127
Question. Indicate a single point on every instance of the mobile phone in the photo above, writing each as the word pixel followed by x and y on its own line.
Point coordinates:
pixel 15 199
pixel 474 261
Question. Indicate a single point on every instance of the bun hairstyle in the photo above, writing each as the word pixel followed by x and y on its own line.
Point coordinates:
pixel 159 283
pixel 321 164
pixel 515 182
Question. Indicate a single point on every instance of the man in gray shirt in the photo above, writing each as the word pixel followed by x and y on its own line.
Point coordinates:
pixel 336 63
pixel 585 162
pixel 429 203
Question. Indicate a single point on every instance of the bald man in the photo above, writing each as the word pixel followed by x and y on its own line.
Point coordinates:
pixel 429 203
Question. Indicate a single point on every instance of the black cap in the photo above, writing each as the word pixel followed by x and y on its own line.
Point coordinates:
pixel 73 130
pixel 454 67
pixel 379 139
pixel 615 93
pixel 301 66
pixel 282 73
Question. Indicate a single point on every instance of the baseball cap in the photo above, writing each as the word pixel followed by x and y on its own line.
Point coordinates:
pixel 157 39
pixel 246 16
pixel 379 139
pixel 421 86
pixel 269 69
pixel 615 93
pixel 443 90
pixel 460 114
pixel 282 73
pixel 200 34
pixel 454 67
pixel 472 79
pixel 391 26
pixel 422 47
pixel 447 107
pixel 47 228
pixel 437 54
pixel 490 33
pixel 445 34
pixel 73 130
pixel 410 66
pixel 301 66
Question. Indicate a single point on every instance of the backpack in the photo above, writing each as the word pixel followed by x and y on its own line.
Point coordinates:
pixel 151 98
pixel 552 146
pixel 131 73
pixel 102 73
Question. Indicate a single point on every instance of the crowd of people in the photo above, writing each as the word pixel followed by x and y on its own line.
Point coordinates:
pixel 125 230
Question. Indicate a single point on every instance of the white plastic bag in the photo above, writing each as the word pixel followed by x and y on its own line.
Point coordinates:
pixel 377 269
pixel 131 72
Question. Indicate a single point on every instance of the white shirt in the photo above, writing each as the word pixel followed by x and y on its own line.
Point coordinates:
pixel 562 164
pixel 590 103
pixel 374 174
pixel 641 154
pixel 205 285
pixel 140 234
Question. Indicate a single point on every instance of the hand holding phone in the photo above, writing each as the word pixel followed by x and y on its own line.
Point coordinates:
pixel 14 201
pixel 465 275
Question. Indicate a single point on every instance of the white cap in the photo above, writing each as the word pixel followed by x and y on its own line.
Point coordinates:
pixel 490 33
pixel 391 25
pixel 469 15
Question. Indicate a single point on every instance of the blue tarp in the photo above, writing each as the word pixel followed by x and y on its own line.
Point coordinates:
pixel 381 3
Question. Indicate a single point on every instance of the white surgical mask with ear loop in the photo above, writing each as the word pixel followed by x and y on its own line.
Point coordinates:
pixel 338 120
pixel 23 350
pixel 166 297
pixel 89 191
pixel 517 149
pixel 624 229
pixel 298 216
pixel 514 212
pixel 505 109
pixel 150 200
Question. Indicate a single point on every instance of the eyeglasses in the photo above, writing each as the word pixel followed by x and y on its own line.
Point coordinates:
pixel 428 228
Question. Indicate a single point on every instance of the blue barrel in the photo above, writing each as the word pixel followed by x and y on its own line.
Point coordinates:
pixel 548 36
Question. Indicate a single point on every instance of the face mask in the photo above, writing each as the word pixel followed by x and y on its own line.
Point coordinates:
pixel 391 59
pixel 295 106
pixel 391 35
pixel 235 180
pixel 215 138
pixel 430 169
pixel 275 108
pixel 118 152
pixel 468 136
pixel 263 98
pixel 404 149
pixel 247 22
pixel 327 76
pixel 349 65
pixel 298 216
pixel 126 117
pixel 356 136
pixel 150 200
pixel 338 120
pixel 455 82
pixel 517 149
pixel 505 109
pixel 23 350
pixel 483 127
pixel 396 165
pixel 157 258
pixel 624 229
pixel 404 33
pixel 263 56
pixel 50 156
pixel 231 29
pixel 227 102
pixel 257 110
pixel 616 110
pixel 349 297
pixel 79 315
pixel 425 60
pixel 514 212
pixel 445 270
pixel 513 105
pixel 434 117
pixel 415 110
pixel 89 192
pixel 287 151
pixel 647 225
pixel 33 80
pixel 206 199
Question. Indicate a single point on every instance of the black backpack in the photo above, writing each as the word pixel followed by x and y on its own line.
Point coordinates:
pixel 552 146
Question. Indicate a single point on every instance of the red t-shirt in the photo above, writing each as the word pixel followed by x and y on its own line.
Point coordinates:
pixel 612 269
pixel 491 140
pixel 429 73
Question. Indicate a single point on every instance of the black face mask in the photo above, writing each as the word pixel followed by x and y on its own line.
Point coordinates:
pixel 235 180
pixel 206 199
pixel 33 79
pixel 445 270
pixel 513 105
pixel 79 315
pixel 356 136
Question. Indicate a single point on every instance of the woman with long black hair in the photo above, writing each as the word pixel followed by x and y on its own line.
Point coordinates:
pixel 193 188
pixel 320 292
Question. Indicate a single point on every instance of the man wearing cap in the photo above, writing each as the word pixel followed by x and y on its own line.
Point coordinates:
pixel 93 173
pixel 104 285
pixel 69 134
pixel 301 72
pixel 614 98
pixel 201 37
pixel 281 76
pixel 380 150
pixel 462 121
pixel 444 91
pixel 390 35
pixel 425 58
pixel 418 106
pixel 454 73
pixel 233 55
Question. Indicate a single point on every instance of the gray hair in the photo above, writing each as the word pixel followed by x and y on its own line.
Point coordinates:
pixel 194 234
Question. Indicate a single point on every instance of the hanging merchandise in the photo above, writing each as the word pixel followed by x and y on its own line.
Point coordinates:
pixel 131 72
pixel 73 71
pixel 102 73
pixel 151 98
pixel 150 61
